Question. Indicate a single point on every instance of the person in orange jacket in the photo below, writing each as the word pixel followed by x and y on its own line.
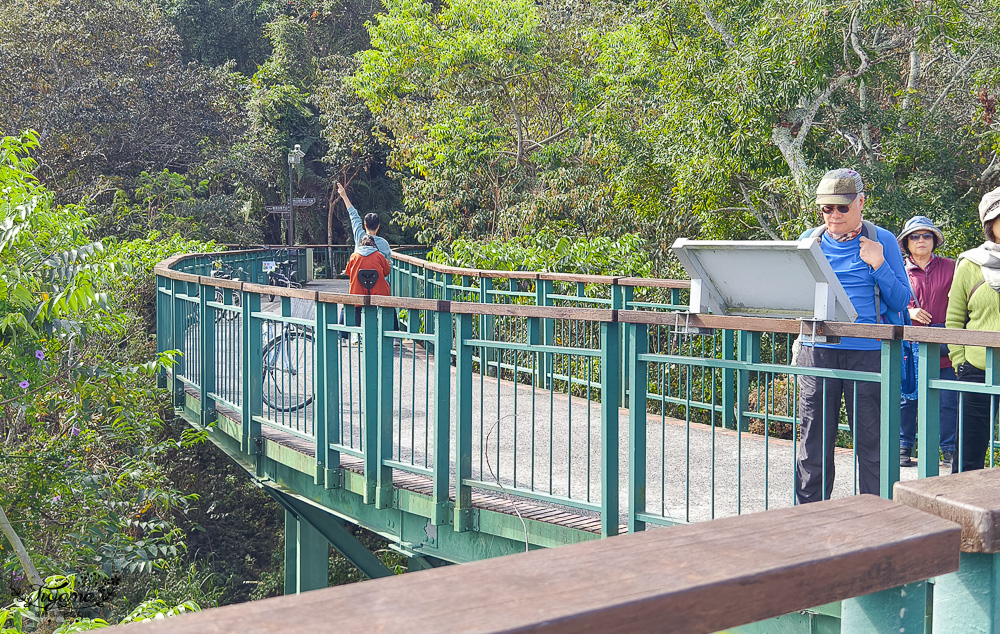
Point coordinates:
pixel 367 256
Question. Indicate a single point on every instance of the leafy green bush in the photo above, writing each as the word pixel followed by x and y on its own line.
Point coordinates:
pixel 624 256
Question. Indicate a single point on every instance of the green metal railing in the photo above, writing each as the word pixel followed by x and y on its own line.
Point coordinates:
pixel 499 381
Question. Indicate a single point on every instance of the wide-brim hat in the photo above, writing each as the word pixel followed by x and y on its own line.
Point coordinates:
pixel 919 223
pixel 839 187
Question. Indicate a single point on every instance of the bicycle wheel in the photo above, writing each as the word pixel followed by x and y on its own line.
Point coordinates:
pixel 220 298
pixel 288 370
pixel 233 315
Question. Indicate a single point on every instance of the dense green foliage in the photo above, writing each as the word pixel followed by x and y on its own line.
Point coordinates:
pixel 546 251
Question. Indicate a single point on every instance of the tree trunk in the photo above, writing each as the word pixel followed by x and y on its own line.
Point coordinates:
pixel 329 216
pixel 22 553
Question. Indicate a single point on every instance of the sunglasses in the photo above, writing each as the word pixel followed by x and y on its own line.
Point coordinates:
pixel 921 236
pixel 841 209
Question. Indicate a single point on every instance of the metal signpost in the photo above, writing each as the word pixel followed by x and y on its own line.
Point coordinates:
pixel 294 158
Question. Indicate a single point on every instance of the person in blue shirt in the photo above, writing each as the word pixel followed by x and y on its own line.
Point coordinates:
pixel 360 229
pixel 863 263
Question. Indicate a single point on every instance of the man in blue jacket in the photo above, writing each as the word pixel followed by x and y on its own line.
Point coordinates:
pixel 862 262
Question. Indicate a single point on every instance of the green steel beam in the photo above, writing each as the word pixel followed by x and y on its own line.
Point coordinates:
pixel 422 562
pixel 490 533
pixel 291 552
pixel 330 529
pixel 307 555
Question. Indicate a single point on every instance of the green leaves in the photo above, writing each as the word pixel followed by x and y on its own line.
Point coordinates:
pixel 625 256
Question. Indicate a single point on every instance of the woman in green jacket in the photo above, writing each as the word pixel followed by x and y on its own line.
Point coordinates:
pixel 974 304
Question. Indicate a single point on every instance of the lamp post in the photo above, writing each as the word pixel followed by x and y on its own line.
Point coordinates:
pixel 294 158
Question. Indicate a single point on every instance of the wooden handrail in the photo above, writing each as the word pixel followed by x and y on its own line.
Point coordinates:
pixel 696 578
pixel 651 318
pixel 972 499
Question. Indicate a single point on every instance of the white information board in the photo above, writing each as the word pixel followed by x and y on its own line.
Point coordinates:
pixel 268 266
pixel 762 278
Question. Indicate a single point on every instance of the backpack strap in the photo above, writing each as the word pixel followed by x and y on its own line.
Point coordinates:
pixel 968 302
pixel 869 231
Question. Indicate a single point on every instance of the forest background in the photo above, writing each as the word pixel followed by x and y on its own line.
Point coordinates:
pixel 576 135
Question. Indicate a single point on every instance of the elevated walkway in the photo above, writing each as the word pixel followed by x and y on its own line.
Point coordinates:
pixel 511 411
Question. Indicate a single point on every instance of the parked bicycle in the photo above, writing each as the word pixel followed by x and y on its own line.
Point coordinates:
pixel 225 271
pixel 283 274
pixel 287 367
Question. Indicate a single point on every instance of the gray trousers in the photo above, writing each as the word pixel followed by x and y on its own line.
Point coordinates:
pixel 819 409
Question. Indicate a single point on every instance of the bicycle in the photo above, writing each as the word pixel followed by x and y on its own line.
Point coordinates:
pixel 283 273
pixel 287 368
pixel 225 271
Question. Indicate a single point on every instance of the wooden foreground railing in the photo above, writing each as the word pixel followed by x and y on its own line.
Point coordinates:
pixel 697 578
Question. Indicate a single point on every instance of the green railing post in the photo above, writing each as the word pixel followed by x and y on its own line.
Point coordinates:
pixel 889 434
pixel 326 389
pixel 384 387
pixel 901 609
pixel 610 362
pixel 487 355
pixel 441 477
pixel 329 356
pixel 618 303
pixel 729 405
pixel 541 358
pixel 252 384
pixel 430 292
pixel 463 422
pixel 639 344
pixel 447 279
pixel 543 288
pixel 412 316
pixel 928 409
pixel 163 339
pixel 376 473
pixel 749 352
pixel 206 386
pixel 969 600
pixel 180 321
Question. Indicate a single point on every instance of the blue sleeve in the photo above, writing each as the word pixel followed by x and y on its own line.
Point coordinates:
pixel 383 246
pixel 893 283
pixel 356 225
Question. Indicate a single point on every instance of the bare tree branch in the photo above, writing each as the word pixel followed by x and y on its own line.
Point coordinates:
pixel 30 571
pixel 791 147
pixel 717 26
pixel 913 81
pixel 951 84
pixel 760 217
pixel 517 122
